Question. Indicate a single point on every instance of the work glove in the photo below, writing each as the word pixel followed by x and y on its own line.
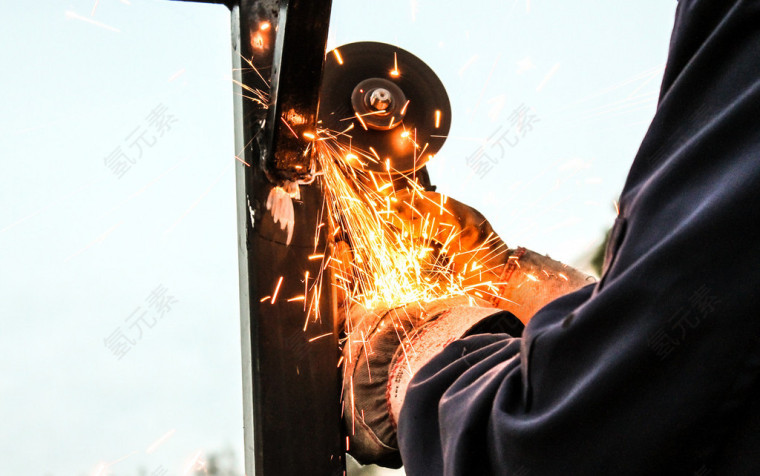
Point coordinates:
pixel 385 348
pixel 503 288
pixel 514 279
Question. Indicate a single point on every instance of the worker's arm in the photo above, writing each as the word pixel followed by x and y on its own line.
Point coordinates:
pixel 654 370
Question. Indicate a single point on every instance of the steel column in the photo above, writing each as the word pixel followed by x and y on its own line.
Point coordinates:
pixel 291 384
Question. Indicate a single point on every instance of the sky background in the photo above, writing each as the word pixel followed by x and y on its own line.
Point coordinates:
pixel 87 254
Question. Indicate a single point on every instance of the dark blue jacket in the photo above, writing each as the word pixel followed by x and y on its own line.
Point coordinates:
pixel 655 369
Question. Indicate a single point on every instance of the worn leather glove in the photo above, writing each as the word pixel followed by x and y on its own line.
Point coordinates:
pixel 386 348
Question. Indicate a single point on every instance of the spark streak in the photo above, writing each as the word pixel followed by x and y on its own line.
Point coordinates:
pixel 76 16
pixel 546 79
pixel 392 262
pixel 338 56
pixel 276 290
pixel 160 441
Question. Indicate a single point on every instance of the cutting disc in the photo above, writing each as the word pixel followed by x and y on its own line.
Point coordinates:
pixel 398 107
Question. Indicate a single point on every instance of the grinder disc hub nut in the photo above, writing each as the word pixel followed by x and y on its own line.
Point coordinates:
pixel 379 102
pixel 380 99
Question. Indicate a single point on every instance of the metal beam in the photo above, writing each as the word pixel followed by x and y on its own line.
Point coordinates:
pixel 290 384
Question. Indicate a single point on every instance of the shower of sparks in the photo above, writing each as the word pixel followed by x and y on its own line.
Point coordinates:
pixel 393 262
pixel 391 243
pixel 259 96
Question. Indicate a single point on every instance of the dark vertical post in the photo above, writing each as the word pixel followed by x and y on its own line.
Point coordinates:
pixel 291 383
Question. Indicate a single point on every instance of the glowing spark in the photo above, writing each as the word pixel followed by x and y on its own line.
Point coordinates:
pixel 276 290
pixel 316 256
pixel 50 204
pixel 353 410
pixel 297 298
pixel 97 240
pixel 319 337
pixel 241 160
pixel 265 298
pixel 338 56
pixel 264 26
pixel 196 202
pixel 76 16
pixel 437 118
pixel 99 469
pixel 257 41
pixel 160 441
pixel 195 463
pixel 403 109
pixel 361 121
pixel 353 158
pixel 395 72
pixel 309 135
pixel 485 85
pixel 548 76
pixel 289 128
pixel 374 152
pixel 176 75
pixel 390 266
pixel 531 277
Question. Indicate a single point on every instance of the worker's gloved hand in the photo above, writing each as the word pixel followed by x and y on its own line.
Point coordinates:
pixel 385 349
pixel 515 279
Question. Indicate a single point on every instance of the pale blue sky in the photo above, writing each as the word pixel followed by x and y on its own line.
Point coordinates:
pixel 81 249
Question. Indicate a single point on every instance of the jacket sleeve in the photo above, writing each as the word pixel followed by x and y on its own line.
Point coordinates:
pixel 649 370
